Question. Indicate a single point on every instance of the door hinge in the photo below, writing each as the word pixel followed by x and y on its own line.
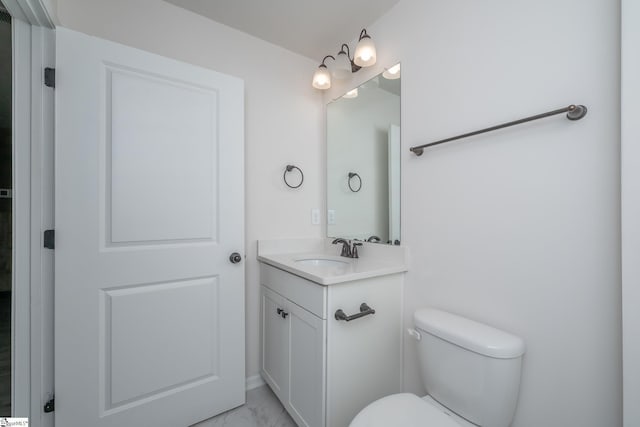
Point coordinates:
pixel 50 406
pixel 50 77
pixel 50 239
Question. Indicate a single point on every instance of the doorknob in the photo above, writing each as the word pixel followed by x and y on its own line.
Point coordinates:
pixel 235 258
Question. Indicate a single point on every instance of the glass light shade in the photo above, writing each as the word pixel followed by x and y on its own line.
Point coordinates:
pixel 351 94
pixel 392 73
pixel 342 66
pixel 365 55
pixel 322 78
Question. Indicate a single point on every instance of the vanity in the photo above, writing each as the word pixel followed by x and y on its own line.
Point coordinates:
pixel 331 327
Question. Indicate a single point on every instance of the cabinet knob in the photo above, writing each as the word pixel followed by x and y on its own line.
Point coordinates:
pixel 282 313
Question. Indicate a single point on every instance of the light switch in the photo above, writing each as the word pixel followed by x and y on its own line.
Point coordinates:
pixel 315 216
pixel 331 216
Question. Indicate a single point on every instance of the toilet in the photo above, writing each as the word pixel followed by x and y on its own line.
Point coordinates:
pixel 471 372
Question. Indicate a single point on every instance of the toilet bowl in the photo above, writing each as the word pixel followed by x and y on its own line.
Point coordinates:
pixel 407 410
pixel 470 370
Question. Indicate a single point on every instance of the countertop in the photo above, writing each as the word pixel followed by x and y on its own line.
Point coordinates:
pixel 375 260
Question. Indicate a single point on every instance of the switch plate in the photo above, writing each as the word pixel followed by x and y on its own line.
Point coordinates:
pixel 315 216
pixel 331 216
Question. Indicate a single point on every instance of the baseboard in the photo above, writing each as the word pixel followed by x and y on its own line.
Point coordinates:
pixel 254 382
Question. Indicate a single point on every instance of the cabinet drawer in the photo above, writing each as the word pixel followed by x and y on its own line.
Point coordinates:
pixel 308 295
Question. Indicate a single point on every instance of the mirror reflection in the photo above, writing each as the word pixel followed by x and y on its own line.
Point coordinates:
pixel 363 161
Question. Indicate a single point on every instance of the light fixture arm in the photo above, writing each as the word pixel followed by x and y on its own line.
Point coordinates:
pixel 363 34
pixel 354 67
pixel 348 53
pixel 324 59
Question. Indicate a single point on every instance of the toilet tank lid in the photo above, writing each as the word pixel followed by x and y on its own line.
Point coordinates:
pixel 469 334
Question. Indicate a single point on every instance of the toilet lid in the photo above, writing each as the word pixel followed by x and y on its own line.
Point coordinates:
pixel 403 409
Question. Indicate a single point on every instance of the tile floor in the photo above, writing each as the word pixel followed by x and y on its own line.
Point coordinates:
pixel 263 409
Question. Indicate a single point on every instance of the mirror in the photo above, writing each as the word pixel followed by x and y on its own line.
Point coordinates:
pixel 363 161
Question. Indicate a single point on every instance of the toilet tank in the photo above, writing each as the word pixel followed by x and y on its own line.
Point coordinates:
pixel 471 368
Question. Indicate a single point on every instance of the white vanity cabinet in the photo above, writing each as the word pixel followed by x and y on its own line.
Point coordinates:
pixel 292 357
pixel 324 370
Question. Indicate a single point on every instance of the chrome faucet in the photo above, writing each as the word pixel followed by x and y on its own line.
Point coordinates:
pixel 346 247
pixel 347 250
pixel 373 239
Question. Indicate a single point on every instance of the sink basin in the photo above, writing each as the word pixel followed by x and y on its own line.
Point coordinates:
pixel 321 262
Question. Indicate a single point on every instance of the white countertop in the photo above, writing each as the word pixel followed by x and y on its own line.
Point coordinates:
pixel 375 259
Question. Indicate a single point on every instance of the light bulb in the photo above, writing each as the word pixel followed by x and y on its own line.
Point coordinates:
pixel 351 94
pixel 365 55
pixel 322 78
pixel 392 73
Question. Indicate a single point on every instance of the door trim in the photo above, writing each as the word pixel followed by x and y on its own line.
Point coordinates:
pixel 33 12
pixel 32 281
pixel 21 212
pixel 630 207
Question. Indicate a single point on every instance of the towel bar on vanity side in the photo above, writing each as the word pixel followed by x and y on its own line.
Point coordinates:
pixel 365 310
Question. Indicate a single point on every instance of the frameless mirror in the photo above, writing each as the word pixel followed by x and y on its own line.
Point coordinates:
pixel 363 161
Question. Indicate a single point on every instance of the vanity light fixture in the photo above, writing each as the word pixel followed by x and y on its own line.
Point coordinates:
pixel 392 73
pixel 365 55
pixel 322 77
pixel 344 65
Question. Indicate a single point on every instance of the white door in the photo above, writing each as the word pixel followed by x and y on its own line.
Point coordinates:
pixel 149 310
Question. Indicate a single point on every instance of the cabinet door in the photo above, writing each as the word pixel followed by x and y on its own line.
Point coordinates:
pixel 364 356
pixel 275 343
pixel 306 367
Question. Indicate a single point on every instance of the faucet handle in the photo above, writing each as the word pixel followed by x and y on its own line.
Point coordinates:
pixel 354 251
pixel 346 249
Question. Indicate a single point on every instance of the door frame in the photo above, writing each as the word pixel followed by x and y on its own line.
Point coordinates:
pixel 630 209
pixel 32 269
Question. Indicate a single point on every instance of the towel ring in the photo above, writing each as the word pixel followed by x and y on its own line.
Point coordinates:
pixel 289 168
pixel 354 175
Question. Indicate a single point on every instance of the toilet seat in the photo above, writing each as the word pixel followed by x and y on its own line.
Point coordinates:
pixel 403 409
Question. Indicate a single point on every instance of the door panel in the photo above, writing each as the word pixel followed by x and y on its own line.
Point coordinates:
pixel 143 207
pixel 149 312
pixel 132 343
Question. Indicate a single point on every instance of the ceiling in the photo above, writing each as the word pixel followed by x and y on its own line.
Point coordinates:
pixel 312 28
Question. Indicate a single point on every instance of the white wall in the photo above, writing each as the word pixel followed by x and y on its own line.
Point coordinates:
pixel 518 228
pixel 631 209
pixel 283 114
pixel 51 7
